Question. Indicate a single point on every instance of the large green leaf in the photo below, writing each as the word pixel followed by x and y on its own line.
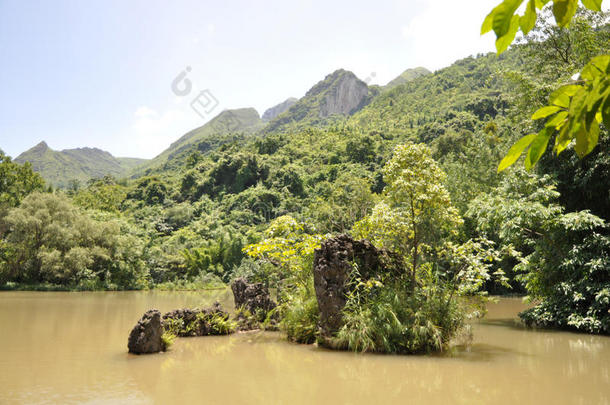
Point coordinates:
pixel 503 17
pixel 561 96
pixel 545 112
pixel 504 41
pixel 563 139
pixel 515 151
pixel 528 20
pixel 564 11
pixel 538 147
pixel 487 23
pixel 595 5
pixel 541 3
pixel 558 120
pixel 606 112
pixel 594 101
pixel 582 141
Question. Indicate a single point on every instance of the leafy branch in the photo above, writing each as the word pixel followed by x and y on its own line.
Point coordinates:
pixel 576 110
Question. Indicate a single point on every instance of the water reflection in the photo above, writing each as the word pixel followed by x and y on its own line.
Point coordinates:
pixel 70 348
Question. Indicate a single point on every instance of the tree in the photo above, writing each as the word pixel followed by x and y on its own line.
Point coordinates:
pixel 350 199
pixel 416 209
pixel 49 240
pixel 563 257
pixel 16 182
pixel 575 110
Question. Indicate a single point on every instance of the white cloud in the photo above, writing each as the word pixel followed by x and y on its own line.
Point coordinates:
pixel 446 30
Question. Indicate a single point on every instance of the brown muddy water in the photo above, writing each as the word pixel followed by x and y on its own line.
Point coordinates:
pixel 63 348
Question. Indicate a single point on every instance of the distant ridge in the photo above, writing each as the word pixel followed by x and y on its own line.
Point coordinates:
pixel 407 76
pixel 60 167
pixel 206 137
pixel 274 111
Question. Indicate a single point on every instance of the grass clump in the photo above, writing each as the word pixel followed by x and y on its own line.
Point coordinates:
pixel 300 315
pixel 395 320
pixel 167 338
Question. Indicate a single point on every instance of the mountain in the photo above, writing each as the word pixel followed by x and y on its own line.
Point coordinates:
pixel 242 121
pixel 274 111
pixel 59 167
pixel 340 94
pixel 460 96
pixel 407 76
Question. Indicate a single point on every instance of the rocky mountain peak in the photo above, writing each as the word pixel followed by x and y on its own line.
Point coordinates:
pixel 345 94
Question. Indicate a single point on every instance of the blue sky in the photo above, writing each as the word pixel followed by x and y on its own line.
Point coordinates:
pixel 99 73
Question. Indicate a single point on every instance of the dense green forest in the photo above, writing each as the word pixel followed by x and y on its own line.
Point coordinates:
pixel 412 167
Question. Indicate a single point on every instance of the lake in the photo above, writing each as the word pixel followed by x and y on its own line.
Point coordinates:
pixel 66 348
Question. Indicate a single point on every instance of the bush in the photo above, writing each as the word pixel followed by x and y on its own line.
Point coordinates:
pixel 300 316
pixel 396 320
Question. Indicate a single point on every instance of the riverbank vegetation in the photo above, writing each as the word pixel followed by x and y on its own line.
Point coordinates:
pixel 414 172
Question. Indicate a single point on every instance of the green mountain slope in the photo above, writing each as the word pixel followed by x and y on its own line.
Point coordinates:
pixel 407 76
pixel 236 123
pixel 60 167
pixel 461 96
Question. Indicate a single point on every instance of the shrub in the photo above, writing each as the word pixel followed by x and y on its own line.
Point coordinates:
pixel 395 320
pixel 300 316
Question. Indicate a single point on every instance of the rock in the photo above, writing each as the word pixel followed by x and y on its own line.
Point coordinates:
pixel 333 263
pixel 254 298
pixel 145 337
pixel 187 322
pixel 347 95
pixel 274 111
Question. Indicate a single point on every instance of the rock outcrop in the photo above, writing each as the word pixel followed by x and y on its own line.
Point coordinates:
pixel 188 322
pixel 333 264
pixel 253 297
pixel 145 337
pixel 340 93
pixel 347 95
pixel 276 110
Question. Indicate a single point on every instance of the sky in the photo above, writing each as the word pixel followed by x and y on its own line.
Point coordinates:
pixel 122 75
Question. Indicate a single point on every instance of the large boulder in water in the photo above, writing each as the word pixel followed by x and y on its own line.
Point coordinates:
pixel 145 337
pixel 253 297
pixel 333 264
pixel 187 322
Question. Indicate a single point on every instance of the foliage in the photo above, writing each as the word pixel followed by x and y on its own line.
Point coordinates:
pixel 506 23
pixel 150 190
pixel 167 338
pixel 576 110
pixel 47 239
pixel 416 211
pixel 399 321
pixel 563 257
pixel 288 248
pixel 216 257
pixel 103 194
pixel 63 168
pixel 16 182
pixel 208 322
pixel 350 199
pixel 300 314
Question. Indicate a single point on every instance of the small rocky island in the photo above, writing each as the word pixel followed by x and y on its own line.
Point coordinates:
pixel 254 307
pixel 252 304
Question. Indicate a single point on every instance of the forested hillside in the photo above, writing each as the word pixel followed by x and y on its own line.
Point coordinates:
pixel 61 168
pixel 238 197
